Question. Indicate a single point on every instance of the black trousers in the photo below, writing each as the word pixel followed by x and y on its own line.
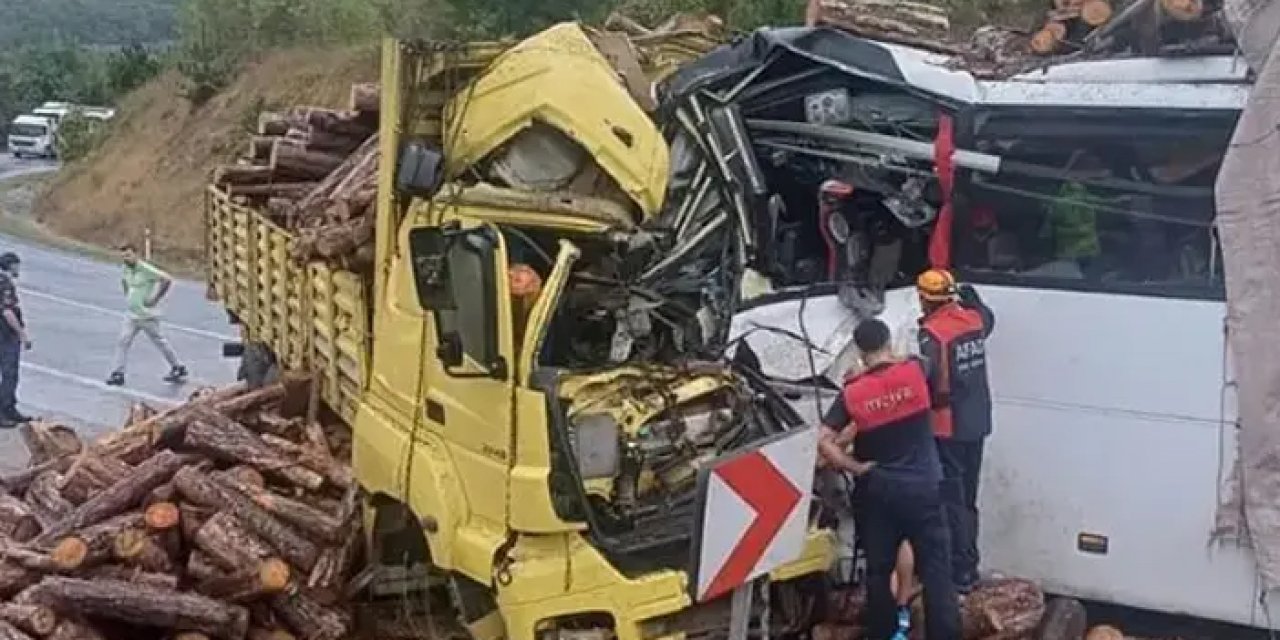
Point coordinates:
pixel 10 360
pixel 961 467
pixel 894 510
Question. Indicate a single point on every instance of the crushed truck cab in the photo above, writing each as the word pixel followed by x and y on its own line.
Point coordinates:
pixel 541 415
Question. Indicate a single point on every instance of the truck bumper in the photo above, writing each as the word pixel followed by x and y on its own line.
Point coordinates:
pixel 646 607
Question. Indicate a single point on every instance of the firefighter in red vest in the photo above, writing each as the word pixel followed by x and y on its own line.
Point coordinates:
pixel 884 413
pixel 953 334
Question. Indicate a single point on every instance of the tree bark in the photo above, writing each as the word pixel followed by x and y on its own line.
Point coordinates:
pixel 245 474
pixel 193 517
pixel 18 482
pixel 46 502
pixel 366 96
pixel 335 472
pixel 270 577
pixel 14 578
pixel 89 474
pixel 75 630
pixel 272 124
pixel 92 545
pixel 289 160
pixel 167 581
pixel 49 441
pixel 200 567
pixel 332 143
pixel 241 174
pixel 329 577
pixel 271 424
pixel 124 494
pixel 309 619
pixel 32 619
pixel 293 190
pixel 228 440
pixel 136 548
pixel 10 632
pixel 17 521
pixel 27 558
pixel 228 545
pixel 326 186
pixel 313 522
pixel 132 603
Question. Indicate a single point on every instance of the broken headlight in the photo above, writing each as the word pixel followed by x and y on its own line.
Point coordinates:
pixel 595 444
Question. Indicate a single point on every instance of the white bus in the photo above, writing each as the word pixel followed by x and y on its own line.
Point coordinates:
pixel 1114 412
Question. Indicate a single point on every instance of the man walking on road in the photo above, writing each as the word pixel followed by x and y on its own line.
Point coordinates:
pixel 144 287
pixel 953 335
pixel 13 340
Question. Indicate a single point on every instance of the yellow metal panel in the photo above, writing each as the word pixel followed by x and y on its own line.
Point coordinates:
pixel 559 78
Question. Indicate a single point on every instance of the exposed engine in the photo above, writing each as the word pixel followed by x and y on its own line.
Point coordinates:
pixel 640 437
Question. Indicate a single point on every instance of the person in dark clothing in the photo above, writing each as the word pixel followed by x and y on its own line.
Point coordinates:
pixel 953 334
pixel 884 413
pixel 13 340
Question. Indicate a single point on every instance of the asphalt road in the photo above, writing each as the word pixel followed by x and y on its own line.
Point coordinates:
pixel 74 309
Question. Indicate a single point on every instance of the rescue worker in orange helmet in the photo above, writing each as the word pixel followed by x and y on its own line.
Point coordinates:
pixel 884 412
pixel 953 334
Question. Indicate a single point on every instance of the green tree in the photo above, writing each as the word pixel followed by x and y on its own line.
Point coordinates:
pixel 131 67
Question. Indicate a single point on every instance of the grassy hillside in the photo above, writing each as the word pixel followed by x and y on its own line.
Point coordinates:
pixel 152 169
pixel 94 22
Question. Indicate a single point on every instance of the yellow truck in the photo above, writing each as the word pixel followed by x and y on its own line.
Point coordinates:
pixel 539 414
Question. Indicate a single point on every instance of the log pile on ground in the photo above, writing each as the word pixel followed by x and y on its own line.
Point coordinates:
pixel 224 518
pixel 315 172
pixel 1003 609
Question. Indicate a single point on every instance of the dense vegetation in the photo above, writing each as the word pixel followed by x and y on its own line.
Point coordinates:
pixel 88 22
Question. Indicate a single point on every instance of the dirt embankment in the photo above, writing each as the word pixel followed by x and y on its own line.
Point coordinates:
pixel 151 171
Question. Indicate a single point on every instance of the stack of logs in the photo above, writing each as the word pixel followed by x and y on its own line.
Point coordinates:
pixel 220 518
pixel 314 171
pixel 1003 609
pixel 1147 27
pixel 1089 28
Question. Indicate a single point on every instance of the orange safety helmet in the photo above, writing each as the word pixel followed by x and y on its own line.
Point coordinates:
pixel 936 285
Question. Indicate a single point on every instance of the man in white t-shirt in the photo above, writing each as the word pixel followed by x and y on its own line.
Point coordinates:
pixel 144 286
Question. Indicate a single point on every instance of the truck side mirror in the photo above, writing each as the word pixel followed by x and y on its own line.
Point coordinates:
pixel 419 170
pixel 428 251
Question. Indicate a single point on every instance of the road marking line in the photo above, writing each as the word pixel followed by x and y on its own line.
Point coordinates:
pixel 100 385
pixel 119 314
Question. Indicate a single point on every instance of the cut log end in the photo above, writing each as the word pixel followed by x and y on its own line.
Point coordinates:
pixel 163 516
pixel 1044 42
pixel 1095 13
pixel 34 619
pixel 274 575
pixel 1182 10
pixel 70 553
pixel 270 634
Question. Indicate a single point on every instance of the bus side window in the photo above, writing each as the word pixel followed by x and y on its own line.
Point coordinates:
pixel 1099 227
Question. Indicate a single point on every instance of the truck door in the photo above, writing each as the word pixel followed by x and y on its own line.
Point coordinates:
pixel 467 365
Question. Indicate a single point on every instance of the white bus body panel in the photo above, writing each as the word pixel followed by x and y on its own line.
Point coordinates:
pixel 1112 418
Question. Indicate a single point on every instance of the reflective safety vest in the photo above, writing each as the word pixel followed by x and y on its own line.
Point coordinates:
pixel 889 406
pixel 961 396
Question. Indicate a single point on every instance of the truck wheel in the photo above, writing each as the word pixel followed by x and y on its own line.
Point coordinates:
pixel 1064 619
pixel 258 366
